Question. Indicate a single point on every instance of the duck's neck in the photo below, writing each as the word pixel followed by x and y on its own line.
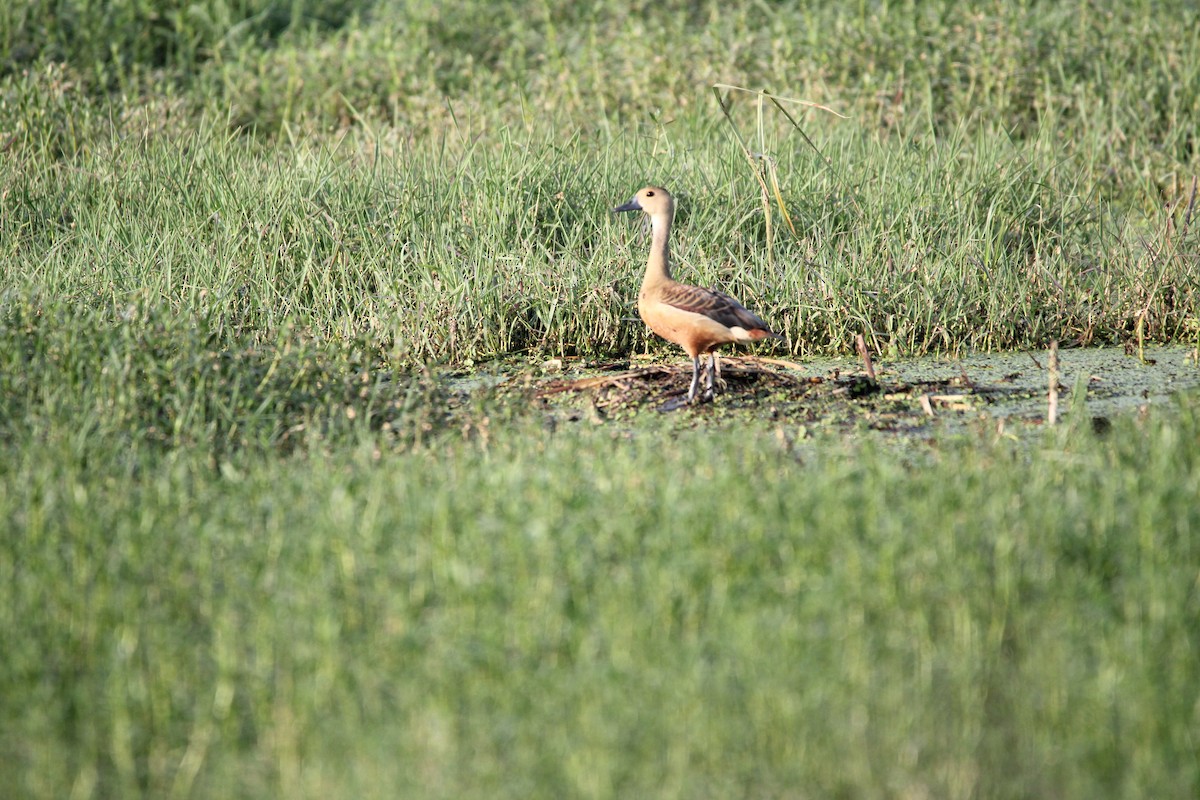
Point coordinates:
pixel 658 268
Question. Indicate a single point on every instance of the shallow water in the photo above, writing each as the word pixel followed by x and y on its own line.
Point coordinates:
pixel 1016 384
pixel 918 397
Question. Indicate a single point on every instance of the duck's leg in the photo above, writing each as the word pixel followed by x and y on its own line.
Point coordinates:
pixel 713 375
pixel 695 378
pixel 716 363
pixel 711 391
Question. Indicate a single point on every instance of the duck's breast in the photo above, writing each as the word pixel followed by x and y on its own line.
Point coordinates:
pixel 694 332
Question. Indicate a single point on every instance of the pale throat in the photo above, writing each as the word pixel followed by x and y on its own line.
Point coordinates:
pixel 658 268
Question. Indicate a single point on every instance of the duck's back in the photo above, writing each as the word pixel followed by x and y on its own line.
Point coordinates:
pixel 698 319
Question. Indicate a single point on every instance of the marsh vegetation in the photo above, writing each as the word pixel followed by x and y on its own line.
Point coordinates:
pixel 288 509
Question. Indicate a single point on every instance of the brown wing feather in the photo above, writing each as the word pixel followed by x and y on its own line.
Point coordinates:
pixel 715 305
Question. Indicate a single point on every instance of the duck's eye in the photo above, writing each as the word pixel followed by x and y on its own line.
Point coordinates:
pixel 649 194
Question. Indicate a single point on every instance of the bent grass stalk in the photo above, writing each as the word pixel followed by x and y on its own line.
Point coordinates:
pixel 760 160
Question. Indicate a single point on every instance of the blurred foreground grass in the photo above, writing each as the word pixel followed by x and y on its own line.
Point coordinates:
pixel 505 611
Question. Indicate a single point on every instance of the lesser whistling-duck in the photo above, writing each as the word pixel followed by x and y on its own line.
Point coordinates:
pixel 698 320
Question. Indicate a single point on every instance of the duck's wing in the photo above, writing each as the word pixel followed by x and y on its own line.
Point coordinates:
pixel 715 305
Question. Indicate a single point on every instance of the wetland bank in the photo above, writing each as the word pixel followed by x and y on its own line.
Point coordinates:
pixel 907 397
pixel 294 501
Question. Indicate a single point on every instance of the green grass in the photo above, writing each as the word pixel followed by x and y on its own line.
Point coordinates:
pixel 943 245
pixel 473 618
pixel 1005 177
pixel 256 540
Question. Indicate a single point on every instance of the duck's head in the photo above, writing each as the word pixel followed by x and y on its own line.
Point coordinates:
pixel 654 200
